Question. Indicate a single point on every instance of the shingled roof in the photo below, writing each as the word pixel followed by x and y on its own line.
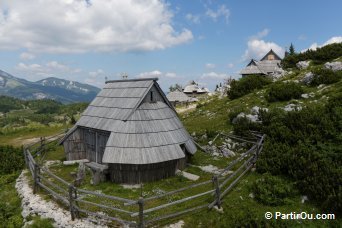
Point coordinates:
pixel 179 97
pixel 141 132
pixel 264 66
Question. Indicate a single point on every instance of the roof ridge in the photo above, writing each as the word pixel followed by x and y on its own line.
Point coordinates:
pixel 132 80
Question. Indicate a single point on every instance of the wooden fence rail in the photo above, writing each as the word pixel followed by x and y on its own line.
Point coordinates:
pixel 69 195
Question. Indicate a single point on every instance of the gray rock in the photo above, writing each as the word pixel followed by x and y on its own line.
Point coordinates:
pixel 334 66
pixel 303 64
pixel 255 110
pixel 304 198
pixel 306 95
pixel 252 118
pixel 292 107
pixel 308 77
pixel 278 74
pixel 227 153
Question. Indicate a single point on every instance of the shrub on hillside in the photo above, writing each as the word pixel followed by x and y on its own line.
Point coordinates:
pixel 11 158
pixel 246 85
pixel 325 76
pixel 272 190
pixel 284 91
pixel 305 146
pixel 45 106
pixel 9 103
pixel 321 55
pixel 233 113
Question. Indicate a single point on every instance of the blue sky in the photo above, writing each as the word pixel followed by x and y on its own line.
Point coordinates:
pixel 177 40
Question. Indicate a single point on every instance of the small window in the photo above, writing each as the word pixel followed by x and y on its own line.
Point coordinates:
pixel 151 96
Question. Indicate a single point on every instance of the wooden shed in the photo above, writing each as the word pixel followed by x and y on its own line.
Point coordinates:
pixel 131 127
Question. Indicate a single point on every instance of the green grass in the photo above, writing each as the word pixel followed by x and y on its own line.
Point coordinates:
pixel 10 210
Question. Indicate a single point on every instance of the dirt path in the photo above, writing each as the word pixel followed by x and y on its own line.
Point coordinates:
pixel 27 141
pixel 189 108
pixel 34 204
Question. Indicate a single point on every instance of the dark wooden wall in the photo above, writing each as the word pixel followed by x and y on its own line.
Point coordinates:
pixel 134 174
pixel 85 143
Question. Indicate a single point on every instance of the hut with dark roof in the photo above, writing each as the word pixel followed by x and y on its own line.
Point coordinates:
pixel 131 128
pixel 178 97
pixel 267 65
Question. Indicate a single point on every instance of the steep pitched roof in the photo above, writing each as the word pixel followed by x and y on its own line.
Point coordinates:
pixel 178 96
pixel 271 52
pixel 252 68
pixel 264 66
pixel 140 132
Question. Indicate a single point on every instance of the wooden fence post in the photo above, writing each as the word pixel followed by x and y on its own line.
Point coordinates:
pixel 217 191
pixel 77 213
pixel 35 178
pixel 71 202
pixel 141 212
pixel 25 156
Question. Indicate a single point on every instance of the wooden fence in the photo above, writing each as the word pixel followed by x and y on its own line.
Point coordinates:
pixel 138 212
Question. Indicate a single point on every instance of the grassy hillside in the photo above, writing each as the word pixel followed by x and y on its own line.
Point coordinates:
pixel 302 153
pixel 301 157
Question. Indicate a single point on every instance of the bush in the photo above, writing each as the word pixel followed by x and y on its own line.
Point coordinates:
pixel 246 85
pixel 233 113
pixel 321 55
pixel 11 158
pixel 281 91
pixel 325 76
pixel 272 190
pixel 305 146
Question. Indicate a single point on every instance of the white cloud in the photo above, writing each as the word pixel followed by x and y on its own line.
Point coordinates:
pixel 260 34
pixel 193 18
pixel 222 11
pixel 96 73
pixel 38 71
pixel 96 78
pixel 171 75
pixel 214 75
pixel 74 26
pixel 27 56
pixel 157 74
pixel 334 39
pixel 210 66
pixel 151 74
pixel 257 48
pixel 302 37
pixel 230 65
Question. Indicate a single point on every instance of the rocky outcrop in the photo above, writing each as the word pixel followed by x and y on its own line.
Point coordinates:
pixel 292 107
pixel 334 66
pixel 308 77
pixel 303 64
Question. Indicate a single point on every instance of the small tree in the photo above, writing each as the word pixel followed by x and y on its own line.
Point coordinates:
pixel 292 50
pixel 175 87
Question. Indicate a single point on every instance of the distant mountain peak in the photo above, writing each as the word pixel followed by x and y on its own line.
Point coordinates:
pixel 62 90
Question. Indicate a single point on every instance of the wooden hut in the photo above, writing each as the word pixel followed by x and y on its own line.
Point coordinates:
pixel 178 97
pixel 269 64
pixel 131 127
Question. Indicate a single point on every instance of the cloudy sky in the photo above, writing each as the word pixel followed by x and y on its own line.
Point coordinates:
pixel 177 41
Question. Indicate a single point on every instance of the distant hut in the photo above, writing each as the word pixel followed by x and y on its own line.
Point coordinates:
pixel 268 65
pixel 178 97
pixel 133 129
pixel 194 90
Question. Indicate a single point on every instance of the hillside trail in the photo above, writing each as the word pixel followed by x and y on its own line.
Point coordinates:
pixel 29 141
pixel 189 108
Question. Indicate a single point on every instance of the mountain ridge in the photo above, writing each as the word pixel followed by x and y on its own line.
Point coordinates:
pixel 62 90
